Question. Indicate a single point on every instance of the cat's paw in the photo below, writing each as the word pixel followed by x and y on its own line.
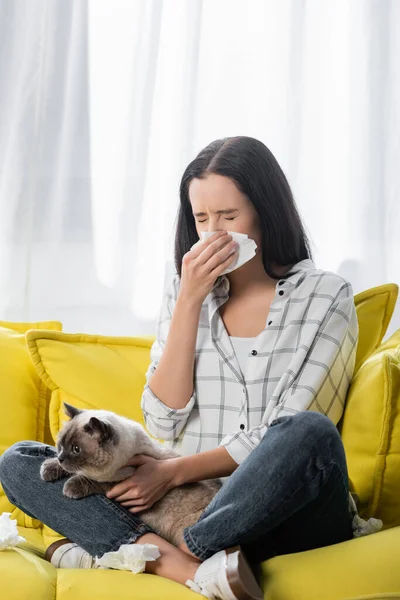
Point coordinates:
pixel 74 488
pixel 51 470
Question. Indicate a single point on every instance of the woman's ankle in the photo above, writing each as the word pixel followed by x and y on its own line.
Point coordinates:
pixel 185 549
pixel 53 547
pixel 173 563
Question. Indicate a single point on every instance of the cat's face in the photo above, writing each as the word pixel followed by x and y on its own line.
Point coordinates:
pixel 85 443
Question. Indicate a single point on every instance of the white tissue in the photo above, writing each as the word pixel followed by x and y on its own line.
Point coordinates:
pixel 9 536
pixel 247 248
pixel 129 557
pixel 362 527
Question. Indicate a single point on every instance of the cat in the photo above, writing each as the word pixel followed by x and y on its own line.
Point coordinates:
pixel 94 445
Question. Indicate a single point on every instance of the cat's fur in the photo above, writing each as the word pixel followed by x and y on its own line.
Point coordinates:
pixel 107 441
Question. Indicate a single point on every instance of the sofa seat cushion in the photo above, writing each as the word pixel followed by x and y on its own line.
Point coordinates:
pixel 24 573
pixel 109 584
pixel 356 568
pixel 361 566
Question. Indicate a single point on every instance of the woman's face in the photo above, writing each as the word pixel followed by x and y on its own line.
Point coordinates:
pixel 217 204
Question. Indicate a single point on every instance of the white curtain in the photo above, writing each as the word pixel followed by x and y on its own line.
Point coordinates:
pixel 104 102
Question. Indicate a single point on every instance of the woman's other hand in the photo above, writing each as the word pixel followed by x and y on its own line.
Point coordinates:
pixel 152 479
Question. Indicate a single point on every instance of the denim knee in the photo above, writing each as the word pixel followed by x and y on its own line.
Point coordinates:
pixel 315 429
pixel 8 462
pixel 13 457
pixel 315 423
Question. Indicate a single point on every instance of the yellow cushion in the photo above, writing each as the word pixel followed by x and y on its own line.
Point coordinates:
pixel 23 398
pixel 390 344
pixel 91 371
pixel 370 430
pixel 360 566
pixel 374 310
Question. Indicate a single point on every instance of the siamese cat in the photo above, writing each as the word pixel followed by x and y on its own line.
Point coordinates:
pixel 93 447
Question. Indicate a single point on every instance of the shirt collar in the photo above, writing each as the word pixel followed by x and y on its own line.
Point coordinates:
pixel 294 274
pixel 221 284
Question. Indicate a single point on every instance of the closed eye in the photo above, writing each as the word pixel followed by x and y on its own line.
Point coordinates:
pixel 226 219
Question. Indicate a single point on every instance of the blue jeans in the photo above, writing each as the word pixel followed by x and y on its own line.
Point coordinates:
pixel 289 495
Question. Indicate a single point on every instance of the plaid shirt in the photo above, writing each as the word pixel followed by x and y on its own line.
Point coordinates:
pixel 302 360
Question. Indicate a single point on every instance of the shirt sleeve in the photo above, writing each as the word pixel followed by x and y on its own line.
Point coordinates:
pixel 320 379
pixel 162 421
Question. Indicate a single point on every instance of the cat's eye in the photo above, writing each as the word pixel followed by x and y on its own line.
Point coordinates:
pixel 75 449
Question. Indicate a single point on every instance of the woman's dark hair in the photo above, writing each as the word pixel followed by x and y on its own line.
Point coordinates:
pixel 257 174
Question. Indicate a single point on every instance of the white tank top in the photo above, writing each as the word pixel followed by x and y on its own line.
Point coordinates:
pixel 242 347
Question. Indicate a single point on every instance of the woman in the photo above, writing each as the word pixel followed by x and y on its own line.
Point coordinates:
pixel 248 378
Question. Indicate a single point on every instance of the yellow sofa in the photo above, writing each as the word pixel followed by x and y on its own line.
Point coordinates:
pixel 40 367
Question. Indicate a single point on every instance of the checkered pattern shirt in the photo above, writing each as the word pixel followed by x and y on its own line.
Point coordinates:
pixel 302 360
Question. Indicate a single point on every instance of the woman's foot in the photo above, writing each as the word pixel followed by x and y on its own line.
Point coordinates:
pixel 64 554
pixel 226 576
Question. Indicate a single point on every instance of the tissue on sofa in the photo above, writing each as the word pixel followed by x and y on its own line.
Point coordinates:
pixel 9 535
pixel 129 557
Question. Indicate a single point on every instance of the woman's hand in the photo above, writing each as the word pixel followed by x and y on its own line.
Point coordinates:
pixel 150 482
pixel 203 264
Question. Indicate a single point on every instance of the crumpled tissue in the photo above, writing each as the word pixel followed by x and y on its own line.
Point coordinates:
pixel 362 527
pixel 9 536
pixel 246 250
pixel 129 557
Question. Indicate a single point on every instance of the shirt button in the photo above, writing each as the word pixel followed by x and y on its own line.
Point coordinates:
pixel 281 282
pixel 254 352
pixel 269 322
pixel 241 426
pixel 281 292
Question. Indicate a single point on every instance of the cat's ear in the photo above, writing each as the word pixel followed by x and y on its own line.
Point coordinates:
pixel 71 411
pixel 95 425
